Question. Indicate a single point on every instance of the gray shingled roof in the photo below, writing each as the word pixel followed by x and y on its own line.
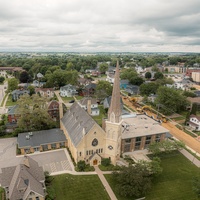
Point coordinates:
pixel 76 120
pixel 41 137
pixel 27 176
pixel 84 101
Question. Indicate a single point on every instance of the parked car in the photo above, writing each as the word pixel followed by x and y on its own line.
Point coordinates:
pixel 72 101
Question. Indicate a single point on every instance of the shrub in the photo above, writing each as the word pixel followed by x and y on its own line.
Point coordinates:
pixel 105 161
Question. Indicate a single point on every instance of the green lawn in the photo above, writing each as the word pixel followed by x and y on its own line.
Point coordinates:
pixel 1 191
pixel 85 187
pixel 175 182
pixel 10 102
pixel 67 99
pixel 102 115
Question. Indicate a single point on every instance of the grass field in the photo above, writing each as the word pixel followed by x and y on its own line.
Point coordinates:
pixel 1 191
pixel 86 187
pixel 175 182
pixel 102 115
pixel 10 102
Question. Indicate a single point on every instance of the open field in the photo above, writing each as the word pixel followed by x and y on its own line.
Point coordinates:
pixel 175 182
pixel 85 187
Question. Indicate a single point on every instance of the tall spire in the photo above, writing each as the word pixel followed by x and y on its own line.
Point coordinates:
pixel 114 112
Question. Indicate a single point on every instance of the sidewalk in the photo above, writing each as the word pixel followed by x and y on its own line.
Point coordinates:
pixel 105 183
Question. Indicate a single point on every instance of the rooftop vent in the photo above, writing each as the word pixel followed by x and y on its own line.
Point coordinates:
pixel 27 137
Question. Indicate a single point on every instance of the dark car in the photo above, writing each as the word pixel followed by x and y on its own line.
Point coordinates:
pixel 72 101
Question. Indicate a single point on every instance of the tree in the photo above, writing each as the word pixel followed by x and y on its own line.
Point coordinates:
pixel 194 109
pixel 33 113
pixel 31 90
pixel 24 77
pixel 196 185
pixel 81 165
pixel 105 162
pixel 103 90
pixel 103 68
pixel 69 66
pixel 147 75
pixel 189 94
pixel 128 74
pixel 158 75
pixel 2 79
pixel 148 88
pixel 133 181
pixel 136 80
pixel 12 84
pixel 171 98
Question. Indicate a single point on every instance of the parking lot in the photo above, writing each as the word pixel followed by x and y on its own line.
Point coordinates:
pixel 52 161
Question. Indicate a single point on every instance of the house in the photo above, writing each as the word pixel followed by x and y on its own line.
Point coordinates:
pixel 197 93
pixel 24 181
pixel 44 140
pixel 89 89
pixel 12 114
pixel 194 122
pixel 90 105
pixel 17 93
pixel 124 83
pixel 84 81
pixel 184 84
pixel 39 75
pixel 37 83
pixel 191 70
pixel 12 69
pixel 45 92
pixel 194 100
pixel 132 89
pixel 110 78
pixel 53 110
pixel 68 91
pixel 89 142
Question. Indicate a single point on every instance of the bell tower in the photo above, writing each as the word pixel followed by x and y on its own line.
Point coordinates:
pixel 113 123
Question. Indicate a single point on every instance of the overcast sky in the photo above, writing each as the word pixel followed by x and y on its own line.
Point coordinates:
pixel 100 25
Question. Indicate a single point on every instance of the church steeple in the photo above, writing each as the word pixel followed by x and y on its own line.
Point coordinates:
pixel 114 112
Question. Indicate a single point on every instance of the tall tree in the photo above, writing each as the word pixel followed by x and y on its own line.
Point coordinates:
pixel 33 113
pixel 12 84
pixel 103 90
pixel 171 99
pixel 103 68
pixel 24 77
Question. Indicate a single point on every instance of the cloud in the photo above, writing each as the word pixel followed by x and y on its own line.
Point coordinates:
pixel 85 25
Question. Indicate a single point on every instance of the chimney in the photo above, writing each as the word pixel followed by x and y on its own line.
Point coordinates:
pixel 89 106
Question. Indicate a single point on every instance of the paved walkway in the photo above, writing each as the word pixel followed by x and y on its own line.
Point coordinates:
pixel 105 183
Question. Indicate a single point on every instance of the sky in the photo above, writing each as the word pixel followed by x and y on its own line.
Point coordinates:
pixel 100 25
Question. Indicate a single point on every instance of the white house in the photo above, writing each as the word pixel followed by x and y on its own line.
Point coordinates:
pixel 194 122
pixel 90 105
pixel 68 91
pixel 184 84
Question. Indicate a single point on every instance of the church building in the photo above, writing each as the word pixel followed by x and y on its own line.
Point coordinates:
pixel 120 133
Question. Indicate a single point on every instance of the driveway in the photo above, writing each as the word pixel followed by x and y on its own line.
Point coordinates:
pixel 56 161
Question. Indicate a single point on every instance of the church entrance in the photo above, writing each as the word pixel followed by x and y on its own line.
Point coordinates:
pixel 95 162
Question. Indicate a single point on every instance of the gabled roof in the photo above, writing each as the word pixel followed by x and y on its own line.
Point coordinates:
pixel 194 116
pixel 84 101
pixel 39 75
pixel 12 110
pixel 44 89
pixel 19 92
pixel 68 87
pixel 77 122
pixel 90 86
pixel 22 179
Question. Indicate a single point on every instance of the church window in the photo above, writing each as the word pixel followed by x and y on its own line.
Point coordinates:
pixel 95 132
pixel 101 150
pixel 87 153
pixel 96 150
pixel 95 142
pixel 80 153
pixel 128 140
